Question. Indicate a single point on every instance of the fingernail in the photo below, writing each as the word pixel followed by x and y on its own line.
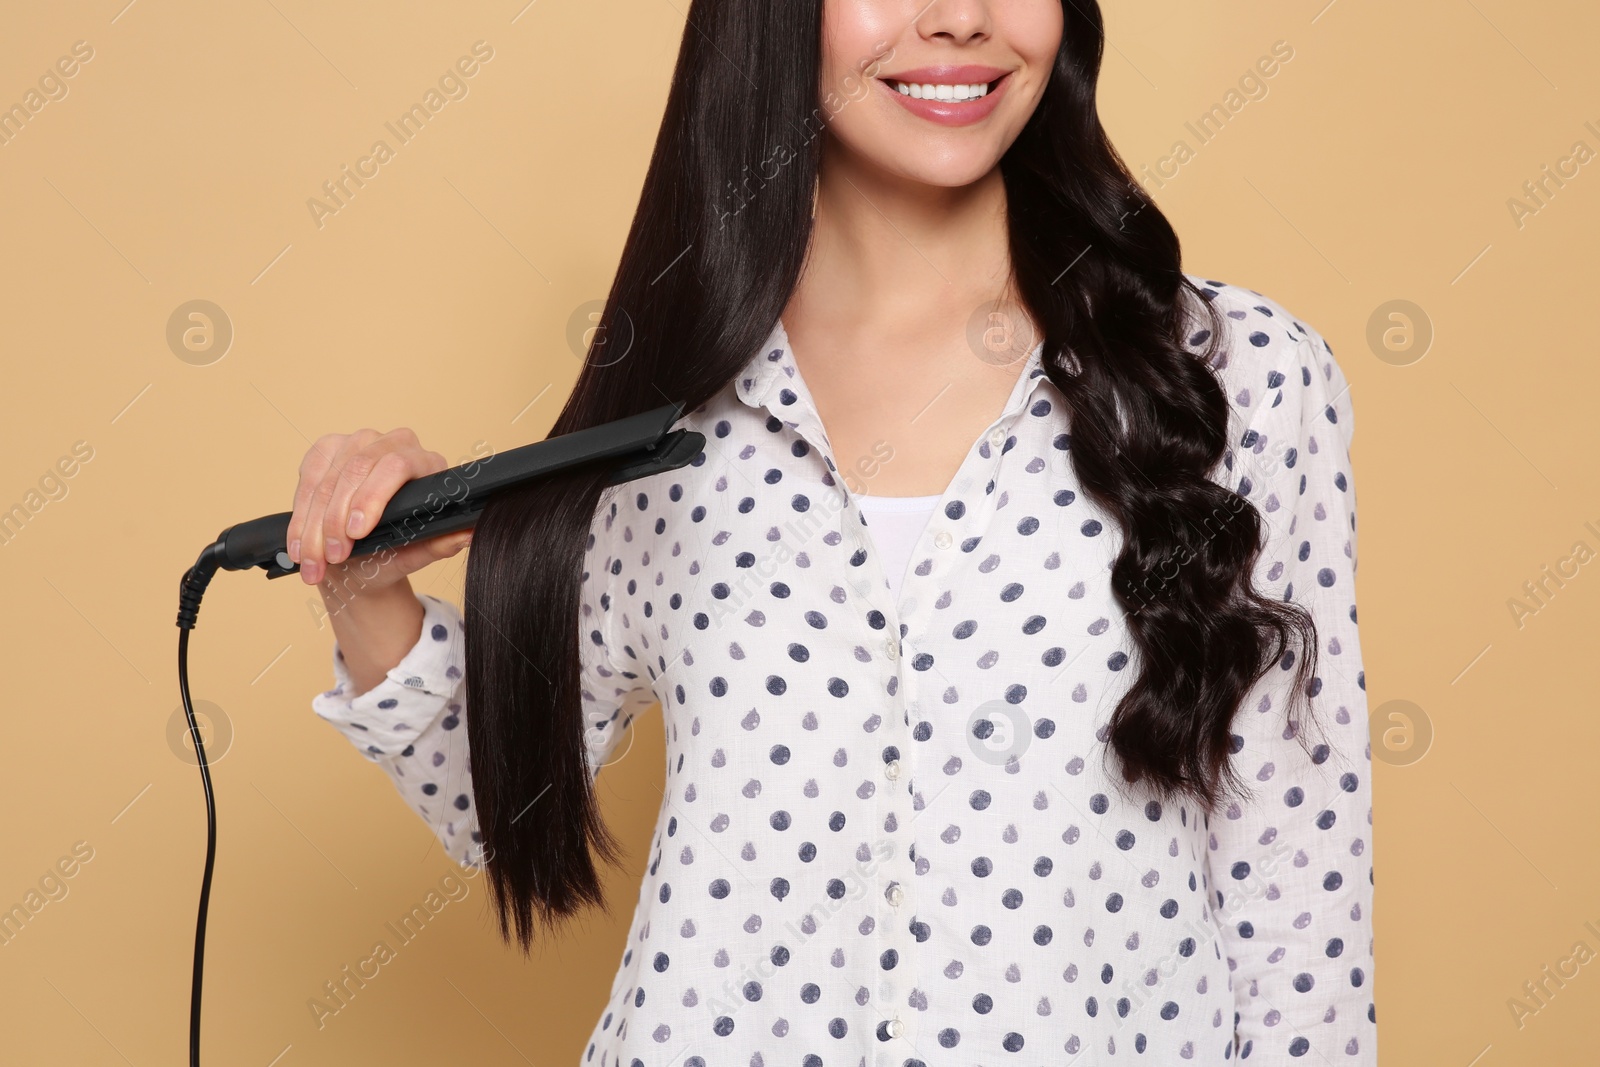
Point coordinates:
pixel 308 571
pixel 335 550
pixel 294 550
pixel 355 522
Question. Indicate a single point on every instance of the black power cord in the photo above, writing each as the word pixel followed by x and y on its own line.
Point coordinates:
pixel 190 590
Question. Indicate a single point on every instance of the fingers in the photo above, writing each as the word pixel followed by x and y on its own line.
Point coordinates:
pixel 401 460
pixel 346 482
pixel 313 554
pixel 363 487
pixel 312 466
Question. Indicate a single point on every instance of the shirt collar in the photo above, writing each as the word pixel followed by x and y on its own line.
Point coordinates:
pixel 772 380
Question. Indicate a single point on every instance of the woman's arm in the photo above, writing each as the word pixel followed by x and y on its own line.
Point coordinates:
pixel 374 629
pixel 412 722
pixel 1291 870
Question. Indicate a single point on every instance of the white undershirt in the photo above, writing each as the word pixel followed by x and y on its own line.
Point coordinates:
pixel 895 523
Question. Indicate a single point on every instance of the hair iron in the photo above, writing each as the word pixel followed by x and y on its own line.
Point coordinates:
pixel 450 500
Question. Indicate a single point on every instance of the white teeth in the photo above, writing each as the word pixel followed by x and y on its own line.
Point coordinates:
pixel 942 92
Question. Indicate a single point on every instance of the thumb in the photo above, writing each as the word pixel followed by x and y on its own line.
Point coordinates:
pixel 450 544
pixel 419 554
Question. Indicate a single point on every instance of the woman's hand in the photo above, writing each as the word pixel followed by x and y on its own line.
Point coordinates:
pixel 346 480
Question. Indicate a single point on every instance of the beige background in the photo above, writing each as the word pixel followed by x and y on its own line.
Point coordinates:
pixel 1378 167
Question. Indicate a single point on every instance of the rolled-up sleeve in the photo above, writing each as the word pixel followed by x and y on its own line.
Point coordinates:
pixel 412 724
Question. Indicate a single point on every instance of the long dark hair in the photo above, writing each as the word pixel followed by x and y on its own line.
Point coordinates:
pixel 716 247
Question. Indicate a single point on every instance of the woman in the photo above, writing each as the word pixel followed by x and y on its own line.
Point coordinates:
pixel 1064 762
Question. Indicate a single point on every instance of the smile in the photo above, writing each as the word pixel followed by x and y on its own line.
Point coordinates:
pixel 948 102
pixel 929 91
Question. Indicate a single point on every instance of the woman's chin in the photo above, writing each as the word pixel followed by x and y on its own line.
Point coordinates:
pixel 954 169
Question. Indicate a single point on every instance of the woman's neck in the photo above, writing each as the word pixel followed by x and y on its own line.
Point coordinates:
pixel 890 320
pixel 888 252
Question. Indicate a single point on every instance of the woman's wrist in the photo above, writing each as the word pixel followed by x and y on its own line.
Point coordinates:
pixel 374 628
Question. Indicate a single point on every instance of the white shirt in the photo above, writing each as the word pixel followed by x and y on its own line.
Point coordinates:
pixel 895 525
pixel 887 835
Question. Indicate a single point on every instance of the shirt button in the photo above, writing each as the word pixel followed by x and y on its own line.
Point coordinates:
pixel 896 1028
pixel 891 770
pixel 997 437
pixel 891 648
pixel 942 539
pixel 896 894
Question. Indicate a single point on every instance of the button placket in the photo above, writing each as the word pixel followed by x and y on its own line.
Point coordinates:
pixel 897 903
pixel 892 987
pixel 891 913
pixel 905 1022
pixel 900 1022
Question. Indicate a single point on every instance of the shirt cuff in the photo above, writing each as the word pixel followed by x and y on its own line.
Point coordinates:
pixel 385 719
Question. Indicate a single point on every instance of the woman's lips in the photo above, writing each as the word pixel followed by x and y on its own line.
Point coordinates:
pixel 949 112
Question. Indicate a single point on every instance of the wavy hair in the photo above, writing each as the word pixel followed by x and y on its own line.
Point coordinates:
pixel 1128 340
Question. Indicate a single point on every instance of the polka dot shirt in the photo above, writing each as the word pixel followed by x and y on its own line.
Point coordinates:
pixel 888 835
